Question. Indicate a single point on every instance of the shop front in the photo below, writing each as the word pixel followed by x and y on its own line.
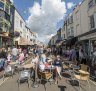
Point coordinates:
pixel 5 40
pixel 88 41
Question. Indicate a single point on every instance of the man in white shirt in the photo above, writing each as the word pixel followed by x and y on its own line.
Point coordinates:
pixel 14 53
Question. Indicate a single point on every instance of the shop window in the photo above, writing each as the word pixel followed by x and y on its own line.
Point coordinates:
pixel 92 24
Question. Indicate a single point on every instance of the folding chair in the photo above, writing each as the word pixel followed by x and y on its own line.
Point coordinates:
pixel 24 77
pixel 8 71
pixel 83 75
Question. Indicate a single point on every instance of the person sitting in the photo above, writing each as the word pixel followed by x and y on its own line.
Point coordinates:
pixel 21 57
pixel 41 66
pixel 35 60
pixel 9 57
pixel 58 64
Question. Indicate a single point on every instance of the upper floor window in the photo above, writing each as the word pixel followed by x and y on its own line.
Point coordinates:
pixel 1 5
pixel 64 35
pixel 21 23
pixel 2 14
pixel 92 23
pixel 91 2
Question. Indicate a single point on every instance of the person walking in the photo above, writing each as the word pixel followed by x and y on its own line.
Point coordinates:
pixel 14 53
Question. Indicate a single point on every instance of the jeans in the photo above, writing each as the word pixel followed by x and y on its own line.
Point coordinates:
pixel 14 58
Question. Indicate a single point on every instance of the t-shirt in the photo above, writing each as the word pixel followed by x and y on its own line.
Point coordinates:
pixel 41 66
pixel 14 51
pixel 21 57
pixel 57 63
pixel 35 60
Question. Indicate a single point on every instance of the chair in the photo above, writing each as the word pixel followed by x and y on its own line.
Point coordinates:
pixel 44 75
pixel 8 71
pixel 83 75
pixel 24 77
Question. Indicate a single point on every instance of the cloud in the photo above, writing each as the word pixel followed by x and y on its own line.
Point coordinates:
pixel 43 19
pixel 70 5
pixel 12 1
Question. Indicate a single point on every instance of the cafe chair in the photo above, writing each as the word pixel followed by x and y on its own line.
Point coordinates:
pixel 8 71
pixel 84 67
pixel 24 77
pixel 83 75
pixel 44 75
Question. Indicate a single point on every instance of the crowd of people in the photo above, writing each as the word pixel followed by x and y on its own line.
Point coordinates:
pixel 12 54
pixel 44 57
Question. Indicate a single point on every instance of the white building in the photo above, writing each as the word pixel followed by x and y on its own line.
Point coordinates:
pixel 19 26
pixel 26 36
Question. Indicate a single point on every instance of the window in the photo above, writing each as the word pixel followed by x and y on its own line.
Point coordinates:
pixel 92 24
pixel 77 15
pixel 11 17
pixel 1 24
pixel 1 5
pixel 7 10
pixel 2 14
pixel 91 2
pixel 64 35
pixel 7 17
pixel 72 31
pixel 6 27
pixel 71 19
pixel 21 23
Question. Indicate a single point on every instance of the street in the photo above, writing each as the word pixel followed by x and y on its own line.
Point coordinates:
pixel 10 84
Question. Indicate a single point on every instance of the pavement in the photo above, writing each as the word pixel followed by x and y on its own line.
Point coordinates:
pixel 10 84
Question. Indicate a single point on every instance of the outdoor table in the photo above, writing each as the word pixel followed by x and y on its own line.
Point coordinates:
pixel 69 62
pixel 84 72
pixel 65 59
pixel 13 63
pixel 28 66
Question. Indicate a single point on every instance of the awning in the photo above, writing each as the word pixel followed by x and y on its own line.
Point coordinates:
pixel 24 41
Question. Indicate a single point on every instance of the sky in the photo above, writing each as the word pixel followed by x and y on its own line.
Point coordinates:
pixel 44 16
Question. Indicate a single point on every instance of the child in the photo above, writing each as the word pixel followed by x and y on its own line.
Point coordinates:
pixel 9 57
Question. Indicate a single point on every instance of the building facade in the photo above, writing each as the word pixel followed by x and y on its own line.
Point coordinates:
pixel 6 23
